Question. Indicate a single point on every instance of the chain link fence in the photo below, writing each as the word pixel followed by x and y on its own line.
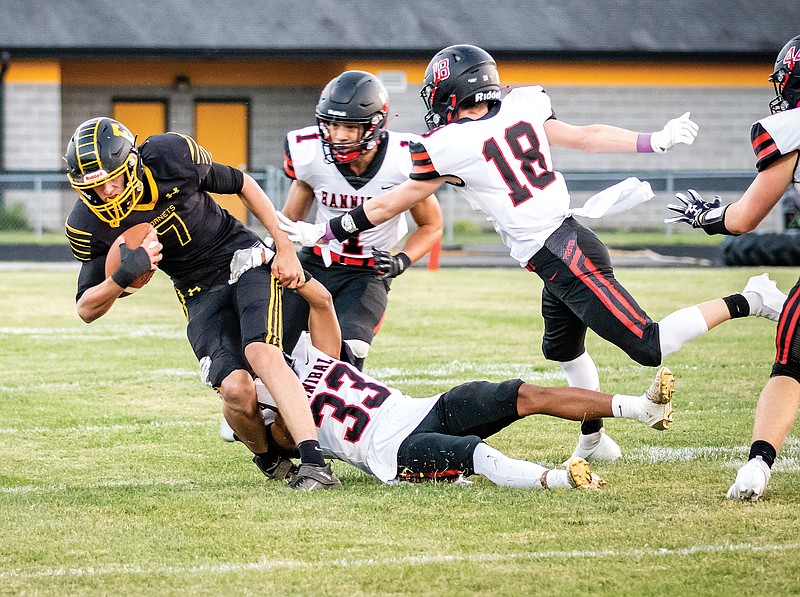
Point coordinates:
pixel 34 204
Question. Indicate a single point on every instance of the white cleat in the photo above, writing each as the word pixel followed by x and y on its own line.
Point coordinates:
pixel 225 431
pixel 580 475
pixel 596 447
pixel 657 408
pixel 769 299
pixel 751 481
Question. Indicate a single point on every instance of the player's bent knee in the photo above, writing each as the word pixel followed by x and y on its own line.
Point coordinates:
pixel 238 391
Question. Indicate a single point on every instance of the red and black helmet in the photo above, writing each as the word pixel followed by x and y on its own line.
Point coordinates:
pixel 786 77
pixel 354 97
pixel 457 76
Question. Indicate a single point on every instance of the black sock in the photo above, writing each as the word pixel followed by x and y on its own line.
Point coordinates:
pixel 592 426
pixel 737 305
pixel 311 453
pixel 765 450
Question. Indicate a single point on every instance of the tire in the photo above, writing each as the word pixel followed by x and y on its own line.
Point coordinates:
pixel 756 248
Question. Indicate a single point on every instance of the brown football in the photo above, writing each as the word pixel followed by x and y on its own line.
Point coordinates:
pixel 133 238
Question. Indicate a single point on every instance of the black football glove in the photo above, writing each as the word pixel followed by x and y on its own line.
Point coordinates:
pixel 389 266
pixel 699 213
pixel 132 264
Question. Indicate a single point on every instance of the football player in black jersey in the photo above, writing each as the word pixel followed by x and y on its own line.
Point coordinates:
pixel 234 329
pixel 776 144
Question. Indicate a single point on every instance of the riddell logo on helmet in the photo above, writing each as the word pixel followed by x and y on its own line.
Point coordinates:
pixel 96 175
pixel 337 113
pixel 486 96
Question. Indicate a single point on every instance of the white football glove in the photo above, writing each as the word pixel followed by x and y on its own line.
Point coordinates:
pixel 302 233
pixel 751 481
pixel 245 259
pixel 677 130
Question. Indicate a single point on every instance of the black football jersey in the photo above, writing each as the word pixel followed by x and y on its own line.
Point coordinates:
pixel 199 237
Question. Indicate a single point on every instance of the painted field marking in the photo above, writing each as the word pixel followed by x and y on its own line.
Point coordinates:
pixel 264 564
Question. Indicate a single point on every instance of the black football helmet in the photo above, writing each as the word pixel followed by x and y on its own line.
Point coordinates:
pixel 456 76
pixel 354 97
pixel 786 77
pixel 102 149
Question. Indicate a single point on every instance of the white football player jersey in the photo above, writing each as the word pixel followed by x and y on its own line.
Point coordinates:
pixel 776 136
pixel 359 420
pixel 335 196
pixel 504 161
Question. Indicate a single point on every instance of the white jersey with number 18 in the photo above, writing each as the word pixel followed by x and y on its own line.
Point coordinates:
pixel 504 162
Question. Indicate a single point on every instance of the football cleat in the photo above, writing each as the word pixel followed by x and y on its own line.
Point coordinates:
pixel 596 447
pixel 751 481
pixel 657 409
pixel 312 477
pixel 580 475
pixel 767 299
pixel 279 469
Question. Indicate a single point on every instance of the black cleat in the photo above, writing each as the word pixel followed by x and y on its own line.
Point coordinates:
pixel 279 469
pixel 312 477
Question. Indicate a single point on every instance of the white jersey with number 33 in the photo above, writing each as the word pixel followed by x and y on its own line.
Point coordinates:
pixel 504 161
pixel 359 420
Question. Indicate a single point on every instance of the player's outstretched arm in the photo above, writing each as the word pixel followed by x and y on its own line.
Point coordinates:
pixel 604 138
pixel 286 266
pixel 322 322
pixel 744 215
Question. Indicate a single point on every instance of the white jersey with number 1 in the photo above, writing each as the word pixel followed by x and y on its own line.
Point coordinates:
pixel 334 195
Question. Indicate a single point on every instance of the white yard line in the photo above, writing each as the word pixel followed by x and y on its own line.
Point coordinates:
pixel 423 560
pixel 103 485
pixel 103 428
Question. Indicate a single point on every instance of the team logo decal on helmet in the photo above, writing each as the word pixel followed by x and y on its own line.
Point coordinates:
pixel 458 76
pixel 354 97
pixel 101 150
pixel 786 77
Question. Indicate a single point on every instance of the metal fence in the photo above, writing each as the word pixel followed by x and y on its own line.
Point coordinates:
pixel 40 201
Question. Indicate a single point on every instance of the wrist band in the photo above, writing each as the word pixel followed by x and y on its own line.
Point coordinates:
pixel 643 144
pixel 348 225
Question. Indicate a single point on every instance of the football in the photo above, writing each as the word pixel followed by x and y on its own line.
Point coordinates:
pixel 133 238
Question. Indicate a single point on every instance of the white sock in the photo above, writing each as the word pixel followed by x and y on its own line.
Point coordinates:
pixel 626 407
pixel 581 372
pixel 505 471
pixel 677 328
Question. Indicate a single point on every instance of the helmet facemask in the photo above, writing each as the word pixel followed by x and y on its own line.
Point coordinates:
pixel 787 91
pixel 348 151
pixel 112 210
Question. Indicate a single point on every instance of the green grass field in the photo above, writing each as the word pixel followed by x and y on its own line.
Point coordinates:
pixel 113 479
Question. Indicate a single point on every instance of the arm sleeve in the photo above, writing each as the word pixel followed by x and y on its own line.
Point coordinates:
pixel 223 179
pixel 92 273
pixel 288 164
